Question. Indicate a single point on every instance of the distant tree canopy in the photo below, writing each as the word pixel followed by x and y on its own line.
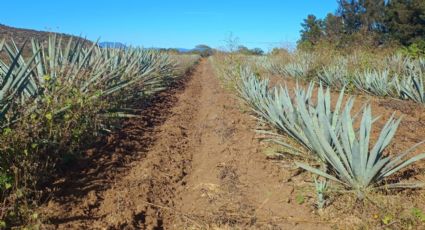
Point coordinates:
pixel 405 20
pixel 312 29
pixel 374 21
pixel 257 51
pixel 170 50
pixel 279 51
pixel 246 51
pixel 203 50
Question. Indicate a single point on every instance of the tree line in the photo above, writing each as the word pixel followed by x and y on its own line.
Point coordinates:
pixel 206 51
pixel 368 22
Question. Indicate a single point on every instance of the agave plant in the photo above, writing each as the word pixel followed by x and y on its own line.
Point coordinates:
pixel 335 75
pixel 321 190
pixel 254 91
pixel 14 80
pixel 398 63
pixel 274 106
pixel 329 133
pixel 185 61
pixel 277 107
pixel 412 87
pixel 347 155
pixel 264 62
pixel 378 83
pixel 298 68
pixel 421 62
pixel 276 68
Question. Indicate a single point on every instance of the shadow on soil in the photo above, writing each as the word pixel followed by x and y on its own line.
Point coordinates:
pixel 113 154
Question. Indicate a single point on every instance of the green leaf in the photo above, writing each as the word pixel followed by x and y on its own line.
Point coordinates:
pixel 300 199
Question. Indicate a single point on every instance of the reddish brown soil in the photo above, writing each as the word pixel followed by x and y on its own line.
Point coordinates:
pixel 191 162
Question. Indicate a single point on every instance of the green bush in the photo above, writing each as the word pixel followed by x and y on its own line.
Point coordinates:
pixel 415 50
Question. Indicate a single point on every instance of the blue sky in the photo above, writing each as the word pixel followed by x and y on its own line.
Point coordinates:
pixel 169 23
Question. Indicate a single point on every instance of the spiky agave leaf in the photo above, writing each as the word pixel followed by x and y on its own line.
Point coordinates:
pixel 298 68
pixel 348 157
pixel 375 82
pixel 275 106
pixel 14 80
pixel 335 75
pixel 421 62
pixel 284 112
pixel 321 189
pixel 398 63
pixel 412 87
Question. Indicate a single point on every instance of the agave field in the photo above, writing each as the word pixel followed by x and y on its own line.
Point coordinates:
pixel 391 76
pixel 63 96
pixel 316 110
pixel 329 133
pixel 318 130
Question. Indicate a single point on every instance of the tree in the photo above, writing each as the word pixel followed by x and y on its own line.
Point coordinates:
pixel 350 13
pixel 405 20
pixel 257 51
pixel 312 31
pixel 279 51
pixel 333 27
pixel 368 22
pixel 203 50
pixel 373 15
pixel 243 50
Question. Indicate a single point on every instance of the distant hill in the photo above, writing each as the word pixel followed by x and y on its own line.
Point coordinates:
pixel 184 50
pixel 21 35
pixel 116 45
pixel 180 50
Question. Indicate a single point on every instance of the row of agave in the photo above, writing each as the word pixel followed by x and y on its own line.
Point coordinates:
pixel 329 133
pixel 185 61
pixel 95 72
pixel 299 68
pixel 61 95
pixel 409 86
pixel 396 76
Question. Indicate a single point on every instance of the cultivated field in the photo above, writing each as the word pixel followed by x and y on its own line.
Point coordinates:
pixel 132 138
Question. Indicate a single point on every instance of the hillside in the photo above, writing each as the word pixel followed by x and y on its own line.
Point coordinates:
pixel 20 35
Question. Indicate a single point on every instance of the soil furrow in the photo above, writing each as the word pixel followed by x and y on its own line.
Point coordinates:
pixel 203 170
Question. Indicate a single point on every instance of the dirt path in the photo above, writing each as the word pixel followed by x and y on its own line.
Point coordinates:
pixel 201 169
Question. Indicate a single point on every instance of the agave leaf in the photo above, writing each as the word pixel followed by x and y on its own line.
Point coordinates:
pixel 397 160
pixel 317 171
pixel 402 185
pixel 405 164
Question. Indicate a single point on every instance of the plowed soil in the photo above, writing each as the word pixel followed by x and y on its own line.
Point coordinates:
pixel 192 161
